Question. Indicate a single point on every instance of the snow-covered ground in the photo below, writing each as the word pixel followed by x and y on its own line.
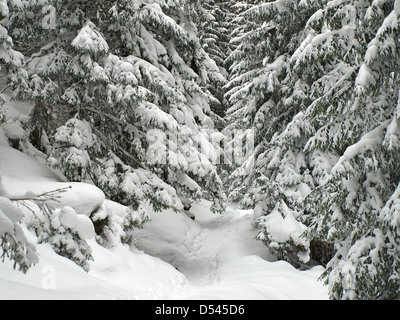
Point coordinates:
pixel 221 259
pixel 173 257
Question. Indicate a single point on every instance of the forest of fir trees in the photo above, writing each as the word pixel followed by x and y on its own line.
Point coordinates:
pixel 290 108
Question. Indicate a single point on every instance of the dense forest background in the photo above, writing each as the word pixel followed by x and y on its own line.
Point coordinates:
pixel 290 108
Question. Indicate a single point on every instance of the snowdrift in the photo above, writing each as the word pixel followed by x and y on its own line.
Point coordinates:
pixel 172 257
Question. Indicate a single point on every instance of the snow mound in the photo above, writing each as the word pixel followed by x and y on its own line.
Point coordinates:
pixel 23 176
pixel 172 257
pixel 76 222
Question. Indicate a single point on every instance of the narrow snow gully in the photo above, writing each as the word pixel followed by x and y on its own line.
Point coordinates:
pixel 221 259
pixel 197 248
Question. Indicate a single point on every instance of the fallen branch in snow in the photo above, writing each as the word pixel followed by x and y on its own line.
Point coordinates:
pixel 41 200
pixel 45 196
pixel 4 90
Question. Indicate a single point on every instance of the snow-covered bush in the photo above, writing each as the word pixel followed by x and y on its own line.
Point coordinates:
pixel 71 143
pixel 282 233
pixel 116 223
pixel 13 242
pixel 62 228
pixel 67 232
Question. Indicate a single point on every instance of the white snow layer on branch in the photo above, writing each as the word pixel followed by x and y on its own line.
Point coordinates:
pixel 368 142
pixel 90 40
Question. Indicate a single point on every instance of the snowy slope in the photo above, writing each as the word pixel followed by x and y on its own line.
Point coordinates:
pixel 173 257
pixel 115 273
pixel 214 257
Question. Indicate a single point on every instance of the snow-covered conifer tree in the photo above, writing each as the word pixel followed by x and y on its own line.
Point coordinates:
pixel 120 98
pixel 214 20
pixel 13 243
pixel 10 59
pixel 356 120
pixel 331 142
pixel 67 232
pixel 268 100
pixel 321 94
pixel 215 24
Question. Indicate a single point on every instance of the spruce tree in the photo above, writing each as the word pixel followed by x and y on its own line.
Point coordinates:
pixel 120 99
pixel 11 60
pixel 268 100
pixel 215 22
pixel 356 118
pixel 326 171
pixel 13 243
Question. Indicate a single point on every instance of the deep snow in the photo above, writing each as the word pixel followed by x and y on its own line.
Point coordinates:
pixel 172 257
pixel 221 259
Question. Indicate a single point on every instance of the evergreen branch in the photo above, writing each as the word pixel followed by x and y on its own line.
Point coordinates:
pixel 5 88
pixel 122 151
pixel 52 195
pixel 41 200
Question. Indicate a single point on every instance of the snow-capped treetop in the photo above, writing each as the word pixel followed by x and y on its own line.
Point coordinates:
pixel 89 40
